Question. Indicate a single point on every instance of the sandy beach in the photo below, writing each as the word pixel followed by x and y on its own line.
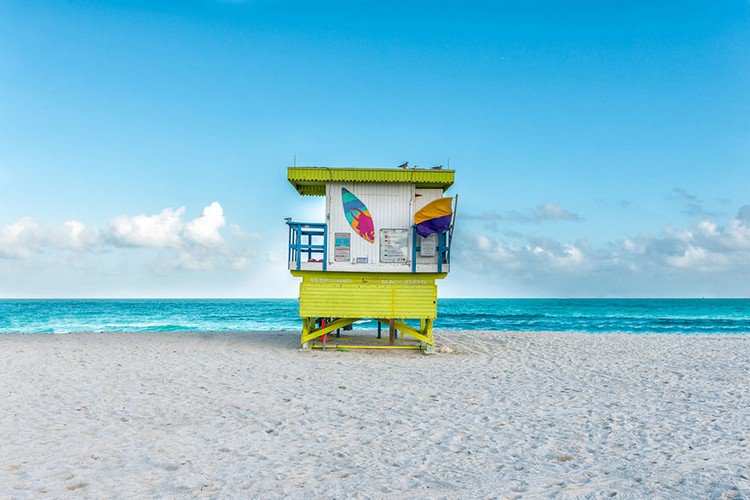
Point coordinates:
pixel 492 414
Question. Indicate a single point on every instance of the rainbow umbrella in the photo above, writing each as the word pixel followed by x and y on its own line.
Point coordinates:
pixel 435 217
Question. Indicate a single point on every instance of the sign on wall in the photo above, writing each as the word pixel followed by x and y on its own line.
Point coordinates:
pixel 428 245
pixel 342 247
pixel 394 245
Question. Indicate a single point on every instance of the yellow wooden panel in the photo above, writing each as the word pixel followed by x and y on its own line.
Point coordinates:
pixel 367 300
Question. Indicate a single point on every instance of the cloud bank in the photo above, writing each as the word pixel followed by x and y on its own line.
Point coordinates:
pixel 196 244
pixel 167 230
pixel 702 256
pixel 709 257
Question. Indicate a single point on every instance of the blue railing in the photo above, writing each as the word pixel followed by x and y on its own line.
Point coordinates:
pixel 301 242
pixel 443 250
pixel 311 238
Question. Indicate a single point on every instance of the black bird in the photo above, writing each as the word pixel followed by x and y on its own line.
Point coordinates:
pixel 404 165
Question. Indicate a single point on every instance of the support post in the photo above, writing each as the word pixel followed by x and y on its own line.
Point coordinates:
pixel 305 333
pixel 439 238
pixel 423 336
pixel 428 346
pixel 414 248
pixel 313 333
pixel 391 331
pixel 380 330
pixel 298 247
pixel 324 337
pixel 428 331
pixel 325 248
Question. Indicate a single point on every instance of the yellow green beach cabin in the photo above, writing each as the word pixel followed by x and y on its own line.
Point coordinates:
pixel 385 241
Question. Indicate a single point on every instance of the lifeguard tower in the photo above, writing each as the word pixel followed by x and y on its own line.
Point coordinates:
pixel 385 241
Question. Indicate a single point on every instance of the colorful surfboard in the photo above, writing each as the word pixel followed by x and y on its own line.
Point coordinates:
pixel 358 215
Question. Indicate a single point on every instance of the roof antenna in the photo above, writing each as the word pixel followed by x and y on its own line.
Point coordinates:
pixel 449 163
pixel 295 160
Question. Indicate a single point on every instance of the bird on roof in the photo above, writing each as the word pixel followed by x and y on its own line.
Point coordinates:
pixel 404 165
pixel 439 167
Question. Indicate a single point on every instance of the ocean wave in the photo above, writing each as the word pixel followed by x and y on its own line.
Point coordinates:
pixel 590 315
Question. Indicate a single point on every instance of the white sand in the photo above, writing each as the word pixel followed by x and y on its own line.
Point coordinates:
pixel 498 414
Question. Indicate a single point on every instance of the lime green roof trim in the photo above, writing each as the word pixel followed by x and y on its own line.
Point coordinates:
pixel 311 181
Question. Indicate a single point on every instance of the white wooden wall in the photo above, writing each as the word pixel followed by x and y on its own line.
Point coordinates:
pixel 391 206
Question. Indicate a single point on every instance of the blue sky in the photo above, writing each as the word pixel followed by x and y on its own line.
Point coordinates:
pixel 600 150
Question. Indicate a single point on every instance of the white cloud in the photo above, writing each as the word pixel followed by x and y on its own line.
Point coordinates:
pixel 521 258
pixel 167 229
pixel 242 260
pixel 699 259
pixel 19 239
pixel 162 230
pixel 199 241
pixel 699 254
pixel 74 235
pixel 193 245
pixel 204 230
pixel 25 237
pixel 200 258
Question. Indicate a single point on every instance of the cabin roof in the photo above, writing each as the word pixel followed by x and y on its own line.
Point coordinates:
pixel 311 181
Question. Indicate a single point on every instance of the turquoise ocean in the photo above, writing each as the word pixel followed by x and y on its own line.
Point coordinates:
pixel 586 315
